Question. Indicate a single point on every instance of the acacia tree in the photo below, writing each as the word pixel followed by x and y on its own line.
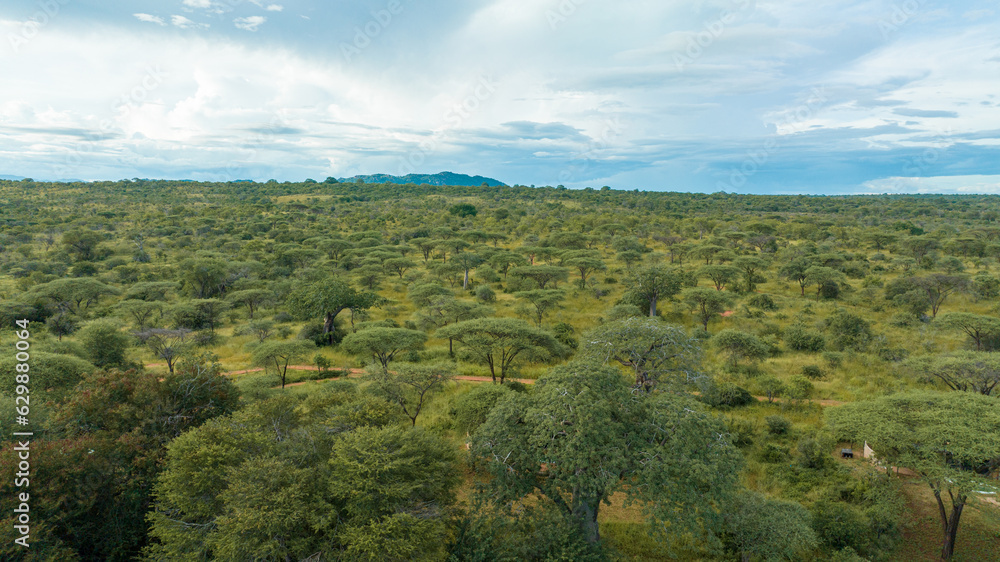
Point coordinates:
pixel 328 298
pixel 652 349
pixel 592 437
pixel 967 371
pixel 279 354
pixel 503 260
pixel 721 275
pixel 938 286
pixel 706 303
pixel 165 344
pixel 253 299
pixel 410 385
pixel 140 312
pixel 976 326
pixel 740 345
pixel 796 270
pixel 652 284
pixel 750 268
pixel 383 344
pixel 585 262
pixel 467 261
pixel 425 245
pixel 500 342
pixel 541 302
pixel 445 309
pixel 542 274
pixel 949 439
pixel 820 275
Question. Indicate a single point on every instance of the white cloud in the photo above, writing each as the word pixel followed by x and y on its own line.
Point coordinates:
pixel 251 23
pixel 936 184
pixel 185 23
pixel 149 18
pixel 268 7
pixel 204 4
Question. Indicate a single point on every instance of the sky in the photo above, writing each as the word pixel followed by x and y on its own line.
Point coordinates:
pixel 741 96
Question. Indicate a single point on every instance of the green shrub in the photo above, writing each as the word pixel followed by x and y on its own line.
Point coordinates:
pixel 485 294
pixel 564 333
pixel 471 409
pixel 839 525
pixel 773 453
pixel 800 338
pixel 106 345
pixel 848 331
pixel 742 432
pixel 777 425
pixel 799 387
pixel 812 453
pixel 761 301
pixel 51 373
pixel 833 358
pixel 727 395
pixel 812 372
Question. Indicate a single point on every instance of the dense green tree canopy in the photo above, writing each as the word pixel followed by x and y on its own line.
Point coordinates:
pixel 582 435
pixel 950 439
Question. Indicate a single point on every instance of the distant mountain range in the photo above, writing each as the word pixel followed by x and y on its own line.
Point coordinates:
pixel 442 178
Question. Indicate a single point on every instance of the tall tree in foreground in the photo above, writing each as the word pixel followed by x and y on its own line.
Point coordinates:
pixel 952 440
pixel 757 525
pixel 967 371
pixel 582 435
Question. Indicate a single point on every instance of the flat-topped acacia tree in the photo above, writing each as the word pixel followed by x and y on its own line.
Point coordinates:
pixel 500 342
pixel 383 344
pixel 950 439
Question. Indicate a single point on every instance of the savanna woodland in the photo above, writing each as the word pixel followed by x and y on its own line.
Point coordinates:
pixel 344 371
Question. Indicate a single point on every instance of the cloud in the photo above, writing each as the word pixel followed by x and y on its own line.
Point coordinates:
pixel 251 23
pixel 936 184
pixel 148 18
pixel 204 4
pixel 185 23
pixel 908 112
pixel 268 7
